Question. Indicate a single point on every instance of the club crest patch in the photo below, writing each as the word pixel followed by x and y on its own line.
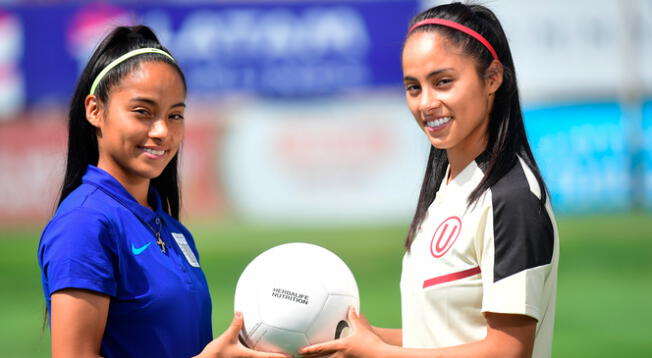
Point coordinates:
pixel 185 248
pixel 445 236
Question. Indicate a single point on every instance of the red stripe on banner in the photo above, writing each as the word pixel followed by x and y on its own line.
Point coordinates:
pixel 451 277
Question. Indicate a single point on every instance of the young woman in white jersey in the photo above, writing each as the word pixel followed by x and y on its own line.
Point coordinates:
pixel 480 268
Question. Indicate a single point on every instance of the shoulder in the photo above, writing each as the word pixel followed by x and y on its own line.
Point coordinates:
pixel 88 197
pixel 85 206
pixel 523 231
pixel 517 197
pixel 80 220
pixel 518 185
pixel 77 226
pixel 78 249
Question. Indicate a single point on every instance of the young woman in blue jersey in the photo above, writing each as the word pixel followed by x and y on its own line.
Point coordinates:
pixel 121 275
pixel 480 268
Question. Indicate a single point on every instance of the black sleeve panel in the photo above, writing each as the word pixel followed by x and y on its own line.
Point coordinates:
pixel 523 231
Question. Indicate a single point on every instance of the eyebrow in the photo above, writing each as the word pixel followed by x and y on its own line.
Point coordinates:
pixel 431 74
pixel 153 103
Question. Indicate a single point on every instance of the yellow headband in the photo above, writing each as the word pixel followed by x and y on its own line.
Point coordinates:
pixel 121 59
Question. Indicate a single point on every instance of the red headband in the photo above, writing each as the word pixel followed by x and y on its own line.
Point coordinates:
pixel 459 27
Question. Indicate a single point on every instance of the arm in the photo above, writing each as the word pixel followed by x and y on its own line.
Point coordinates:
pixel 508 336
pixel 78 322
pixel 392 336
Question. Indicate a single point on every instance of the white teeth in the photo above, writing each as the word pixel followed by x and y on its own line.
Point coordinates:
pixel 438 122
pixel 155 152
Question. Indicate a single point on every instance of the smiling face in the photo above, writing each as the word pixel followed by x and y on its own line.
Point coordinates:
pixel 446 95
pixel 141 127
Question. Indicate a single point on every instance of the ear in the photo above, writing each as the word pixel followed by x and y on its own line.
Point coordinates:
pixel 494 77
pixel 94 113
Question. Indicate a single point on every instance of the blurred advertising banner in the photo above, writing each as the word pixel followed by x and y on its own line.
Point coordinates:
pixel 348 161
pixel 312 162
pixel 33 159
pixel 273 49
pixel 564 50
pixel 362 159
pixel 583 155
pixel 296 108
pixel 582 50
pixel 647 123
pixel 12 80
pixel 32 165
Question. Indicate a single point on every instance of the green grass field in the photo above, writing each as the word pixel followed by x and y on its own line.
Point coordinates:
pixel 604 293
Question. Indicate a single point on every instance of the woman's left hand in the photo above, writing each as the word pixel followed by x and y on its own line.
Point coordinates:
pixel 361 342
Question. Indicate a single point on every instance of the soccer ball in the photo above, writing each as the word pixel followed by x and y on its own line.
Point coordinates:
pixel 294 295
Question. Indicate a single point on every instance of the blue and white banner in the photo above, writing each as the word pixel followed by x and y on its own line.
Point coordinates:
pixel 286 49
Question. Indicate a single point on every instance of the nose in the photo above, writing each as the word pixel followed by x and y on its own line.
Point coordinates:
pixel 159 129
pixel 428 101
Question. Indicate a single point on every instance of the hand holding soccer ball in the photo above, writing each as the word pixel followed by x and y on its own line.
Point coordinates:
pixel 228 345
pixel 361 342
pixel 294 295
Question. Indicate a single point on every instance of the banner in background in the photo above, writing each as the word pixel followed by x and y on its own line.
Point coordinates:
pixel 583 155
pixel 286 49
pixel 303 115
pixel 347 161
pixel 33 159
pixel 647 150
pixel 363 160
pixel 584 50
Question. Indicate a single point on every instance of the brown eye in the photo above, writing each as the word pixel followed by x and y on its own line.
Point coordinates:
pixel 443 82
pixel 141 112
pixel 412 88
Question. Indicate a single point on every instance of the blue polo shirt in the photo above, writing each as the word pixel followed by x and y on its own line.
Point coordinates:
pixel 101 239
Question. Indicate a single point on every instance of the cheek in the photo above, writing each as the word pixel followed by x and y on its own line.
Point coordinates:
pixel 179 131
pixel 177 134
pixel 468 103
pixel 413 106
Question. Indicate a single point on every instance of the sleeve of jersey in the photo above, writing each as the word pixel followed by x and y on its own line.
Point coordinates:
pixel 77 250
pixel 518 248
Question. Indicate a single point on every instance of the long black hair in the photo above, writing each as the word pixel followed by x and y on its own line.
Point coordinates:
pixel 506 133
pixel 82 136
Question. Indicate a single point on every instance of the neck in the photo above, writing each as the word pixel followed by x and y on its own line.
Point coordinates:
pixel 461 155
pixel 137 187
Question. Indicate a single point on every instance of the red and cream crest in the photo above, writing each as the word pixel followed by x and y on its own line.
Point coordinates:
pixel 445 236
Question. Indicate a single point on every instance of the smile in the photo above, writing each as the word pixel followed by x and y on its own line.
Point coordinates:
pixel 154 152
pixel 438 122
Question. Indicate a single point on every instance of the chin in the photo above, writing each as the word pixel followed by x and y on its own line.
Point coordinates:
pixel 438 144
pixel 150 173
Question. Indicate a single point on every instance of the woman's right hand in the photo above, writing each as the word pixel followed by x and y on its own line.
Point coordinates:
pixel 228 345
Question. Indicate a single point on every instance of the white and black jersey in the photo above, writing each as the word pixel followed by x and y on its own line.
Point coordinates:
pixel 499 254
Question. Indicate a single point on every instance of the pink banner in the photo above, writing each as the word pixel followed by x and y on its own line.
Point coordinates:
pixel 32 165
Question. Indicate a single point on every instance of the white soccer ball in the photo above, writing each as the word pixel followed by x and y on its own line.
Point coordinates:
pixel 294 295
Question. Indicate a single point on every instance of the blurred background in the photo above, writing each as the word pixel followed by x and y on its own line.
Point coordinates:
pixel 297 130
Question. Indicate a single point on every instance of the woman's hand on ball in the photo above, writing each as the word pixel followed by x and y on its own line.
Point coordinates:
pixel 361 342
pixel 228 345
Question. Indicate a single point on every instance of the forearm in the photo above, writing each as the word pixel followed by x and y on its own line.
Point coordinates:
pixel 481 349
pixel 392 336
pixel 508 336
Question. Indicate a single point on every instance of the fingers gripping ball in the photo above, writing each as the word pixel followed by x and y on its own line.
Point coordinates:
pixel 294 295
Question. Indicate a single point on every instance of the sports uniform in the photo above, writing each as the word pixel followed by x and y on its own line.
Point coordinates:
pixel 500 254
pixel 101 239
